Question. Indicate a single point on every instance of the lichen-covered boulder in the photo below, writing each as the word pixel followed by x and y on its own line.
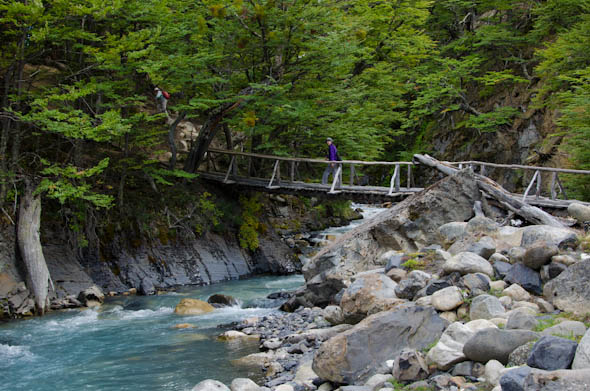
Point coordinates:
pixel 193 307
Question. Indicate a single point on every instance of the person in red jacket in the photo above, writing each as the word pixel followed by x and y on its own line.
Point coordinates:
pixel 161 100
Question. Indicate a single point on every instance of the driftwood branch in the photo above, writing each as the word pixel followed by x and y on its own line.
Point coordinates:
pixel 530 213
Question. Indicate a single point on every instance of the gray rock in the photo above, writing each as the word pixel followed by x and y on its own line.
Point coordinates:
pixel 481 224
pixel 559 380
pixel 447 299
pixel 525 277
pixel 579 212
pixel 539 254
pixel 477 283
pixel 552 270
pixel 368 294
pixel 492 371
pixel 410 366
pixel 561 237
pixel 392 260
pixel 407 288
pixel 552 353
pixel 333 314
pixel 464 368
pixel 397 274
pixel 516 254
pixel 567 328
pixel 513 380
pixel 484 247
pixel 210 385
pixel 434 286
pixel 243 384
pixel 520 355
pixel 582 359
pixel 92 293
pixel 359 352
pixel 466 262
pixel 495 344
pixel 498 257
pixel 522 321
pixel 486 307
pixel 517 293
pixel 452 231
pixel 570 290
pixel 378 381
pixel 220 300
pixel 501 268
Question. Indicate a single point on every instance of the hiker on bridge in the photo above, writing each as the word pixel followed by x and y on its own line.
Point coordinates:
pixel 333 157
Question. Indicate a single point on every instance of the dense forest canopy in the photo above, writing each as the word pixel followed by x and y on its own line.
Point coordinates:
pixel 384 78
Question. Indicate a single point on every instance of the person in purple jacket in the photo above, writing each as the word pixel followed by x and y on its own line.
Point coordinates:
pixel 333 157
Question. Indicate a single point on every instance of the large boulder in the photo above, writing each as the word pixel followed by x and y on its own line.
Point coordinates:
pixel 452 231
pixel 570 290
pixel 579 212
pixel 243 384
pixel 561 237
pixel 582 359
pixel 359 352
pixel 567 328
pixel 408 226
pixel 495 344
pixel 552 353
pixel 221 300
pixel 486 307
pixel 521 320
pixel 193 307
pixel 410 366
pixel 525 277
pixel 367 295
pixel 466 262
pixel 91 295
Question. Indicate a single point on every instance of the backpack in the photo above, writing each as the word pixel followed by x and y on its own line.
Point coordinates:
pixel 166 94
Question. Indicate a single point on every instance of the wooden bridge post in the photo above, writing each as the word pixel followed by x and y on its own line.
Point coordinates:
pixel 292 173
pixel 530 186
pixel 337 178
pixel 394 180
pixel 409 184
pixel 229 169
pixel 397 177
pixel 352 175
pixel 275 173
pixel 482 170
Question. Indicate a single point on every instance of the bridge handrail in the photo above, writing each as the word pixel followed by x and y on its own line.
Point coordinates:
pixel 309 160
pixel 520 166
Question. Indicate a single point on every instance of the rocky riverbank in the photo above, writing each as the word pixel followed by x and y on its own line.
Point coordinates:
pixel 126 264
pixel 433 295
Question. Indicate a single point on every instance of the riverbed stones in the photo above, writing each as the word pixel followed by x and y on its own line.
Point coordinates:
pixel 368 294
pixel 552 270
pixel 193 307
pixel 513 379
pixel 234 335
pixel 582 359
pixel 559 380
pixel 466 262
pixel 477 283
pixel 452 231
pixel 210 385
pixel 91 295
pixel 333 314
pixel 486 307
pixel 570 291
pixel 525 277
pixel 359 352
pixel 552 353
pixel 410 366
pixel 496 344
pixel 484 247
pixel 407 288
pixel 447 299
pixel 520 355
pixel 492 371
pixel 539 254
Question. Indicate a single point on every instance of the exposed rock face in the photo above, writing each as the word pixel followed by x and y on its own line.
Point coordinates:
pixel 356 354
pixel 570 291
pixel 408 226
pixel 193 307
pixel 367 295
pixel 495 344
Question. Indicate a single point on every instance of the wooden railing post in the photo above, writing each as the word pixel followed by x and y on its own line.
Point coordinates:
pixel 530 186
pixel 394 180
pixel 482 170
pixel 352 175
pixel 337 178
pixel 409 184
pixel 275 171
pixel 292 173
pixel 229 169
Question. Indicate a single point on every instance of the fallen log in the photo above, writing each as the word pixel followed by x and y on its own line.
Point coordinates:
pixel 493 190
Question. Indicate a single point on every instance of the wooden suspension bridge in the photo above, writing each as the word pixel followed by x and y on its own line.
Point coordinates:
pixel 236 168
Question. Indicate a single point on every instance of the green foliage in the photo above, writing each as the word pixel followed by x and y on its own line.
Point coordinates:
pixel 413 264
pixel 248 234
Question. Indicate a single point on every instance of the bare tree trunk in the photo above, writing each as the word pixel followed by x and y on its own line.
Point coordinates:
pixel 171 133
pixel 29 243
